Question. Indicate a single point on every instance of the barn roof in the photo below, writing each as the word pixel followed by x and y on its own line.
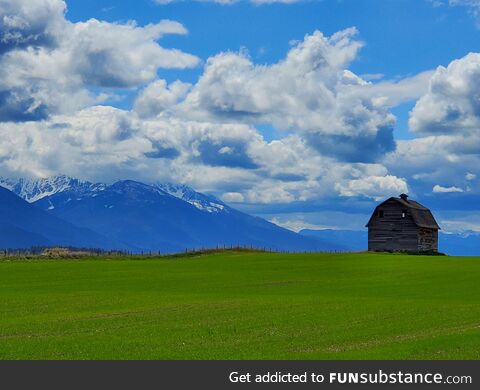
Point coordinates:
pixel 422 216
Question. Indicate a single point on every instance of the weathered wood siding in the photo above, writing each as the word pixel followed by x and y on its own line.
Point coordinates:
pixel 392 232
pixel 427 240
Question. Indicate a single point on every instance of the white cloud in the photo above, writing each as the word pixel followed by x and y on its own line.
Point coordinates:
pixel 372 76
pixel 158 97
pixel 446 120
pixel 470 176
pixel 452 103
pixel 392 93
pixel 233 197
pixel 123 55
pixel 461 223
pixel 269 194
pixel 439 189
pixel 375 187
pixel 309 92
pixel 318 220
pixel 431 160
pixel 92 142
pixel 297 224
pixel 34 22
pixel 49 65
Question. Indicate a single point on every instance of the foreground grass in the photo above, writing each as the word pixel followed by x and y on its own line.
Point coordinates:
pixel 242 306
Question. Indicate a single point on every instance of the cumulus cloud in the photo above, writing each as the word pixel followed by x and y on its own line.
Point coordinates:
pixel 114 55
pixel 297 225
pixel 376 187
pixel 446 120
pixel 106 143
pixel 49 65
pixel 470 176
pixel 430 160
pixel 392 93
pixel 36 23
pixel 444 190
pixel 452 103
pixel 158 97
pixel 319 220
pixel 233 197
pixel 461 224
pixel 336 124
pixel 310 92
pixel 93 140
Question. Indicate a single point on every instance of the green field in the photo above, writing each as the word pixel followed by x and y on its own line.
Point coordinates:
pixel 241 305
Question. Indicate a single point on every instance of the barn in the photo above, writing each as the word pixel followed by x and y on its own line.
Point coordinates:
pixel 400 224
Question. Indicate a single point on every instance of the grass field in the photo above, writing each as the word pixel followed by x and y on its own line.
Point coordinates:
pixel 242 305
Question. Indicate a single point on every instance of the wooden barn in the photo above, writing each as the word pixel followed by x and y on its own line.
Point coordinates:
pixel 399 224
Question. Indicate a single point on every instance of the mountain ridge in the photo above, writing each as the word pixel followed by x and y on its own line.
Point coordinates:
pixel 151 217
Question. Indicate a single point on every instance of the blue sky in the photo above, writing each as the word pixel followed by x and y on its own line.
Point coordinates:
pixel 304 112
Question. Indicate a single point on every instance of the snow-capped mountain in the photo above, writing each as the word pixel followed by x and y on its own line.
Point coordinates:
pixel 142 217
pixel 200 201
pixel 33 190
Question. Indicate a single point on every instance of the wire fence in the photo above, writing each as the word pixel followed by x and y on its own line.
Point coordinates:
pixel 72 252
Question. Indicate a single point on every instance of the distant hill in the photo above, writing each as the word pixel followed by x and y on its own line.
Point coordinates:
pixel 22 225
pixel 157 217
pixel 339 240
pixel 465 244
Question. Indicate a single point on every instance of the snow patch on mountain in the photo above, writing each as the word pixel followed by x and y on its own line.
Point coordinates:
pixel 33 190
pixel 200 201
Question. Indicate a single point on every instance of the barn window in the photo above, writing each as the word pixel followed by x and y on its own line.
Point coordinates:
pixel 380 214
pixel 404 213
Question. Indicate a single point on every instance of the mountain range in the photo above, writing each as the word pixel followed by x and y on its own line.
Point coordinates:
pixel 133 216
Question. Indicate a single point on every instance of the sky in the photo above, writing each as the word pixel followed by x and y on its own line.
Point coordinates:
pixel 307 113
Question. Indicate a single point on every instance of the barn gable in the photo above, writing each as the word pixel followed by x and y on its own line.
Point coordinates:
pixel 422 216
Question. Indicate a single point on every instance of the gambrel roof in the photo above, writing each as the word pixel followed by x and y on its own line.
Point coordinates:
pixel 422 216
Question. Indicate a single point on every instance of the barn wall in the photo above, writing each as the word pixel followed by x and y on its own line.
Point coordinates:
pixel 392 232
pixel 427 240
